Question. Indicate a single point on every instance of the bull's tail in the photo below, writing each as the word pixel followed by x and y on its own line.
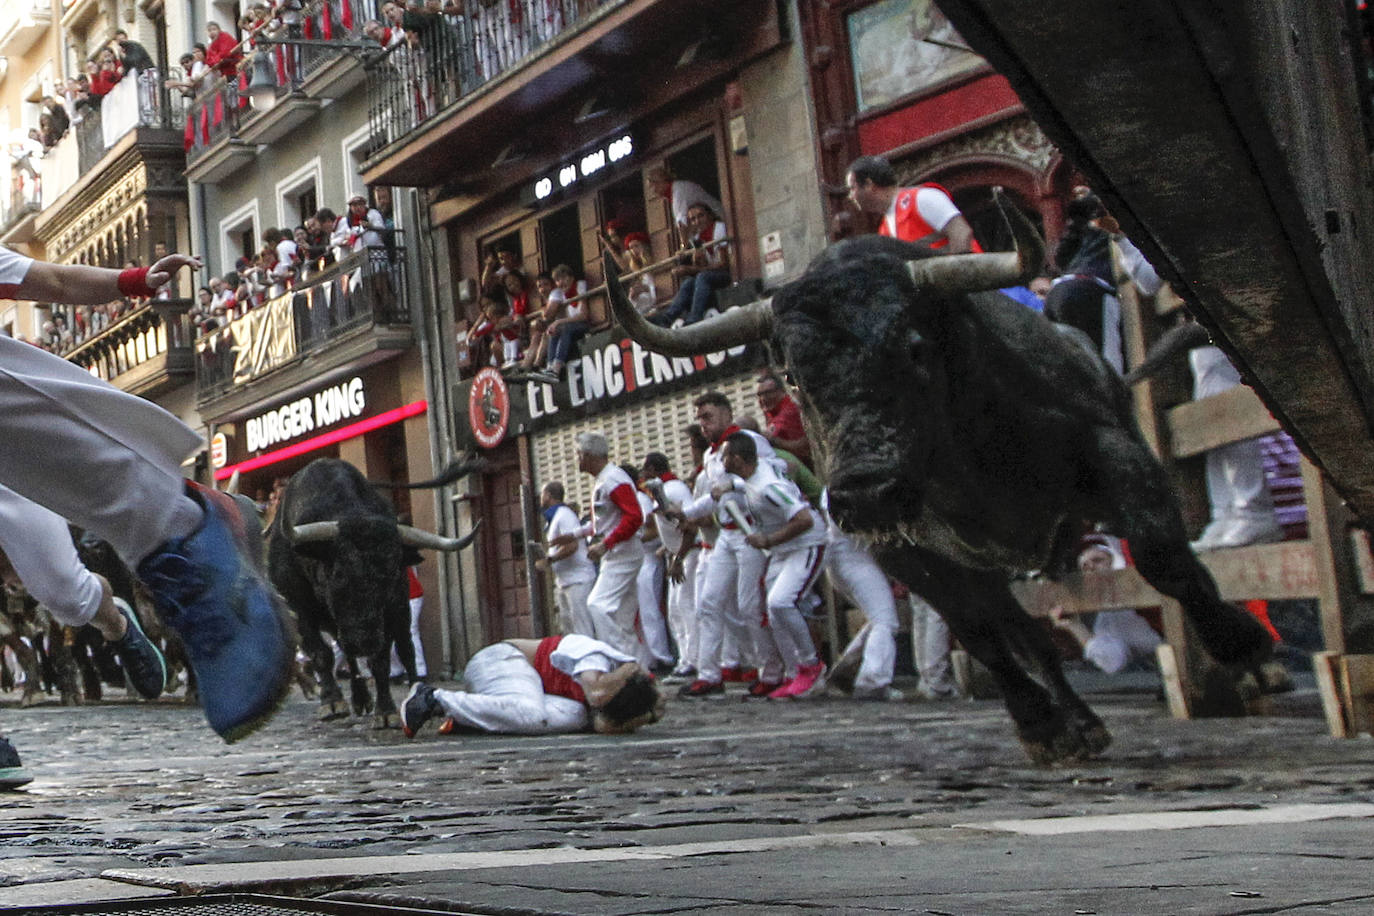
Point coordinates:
pixel 456 470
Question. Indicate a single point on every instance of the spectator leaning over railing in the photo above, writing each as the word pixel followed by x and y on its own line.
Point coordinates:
pixel 132 55
pixel 359 228
pixel 222 53
pixel 107 73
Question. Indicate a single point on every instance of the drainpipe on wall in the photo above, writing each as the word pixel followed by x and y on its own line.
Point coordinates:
pixel 422 263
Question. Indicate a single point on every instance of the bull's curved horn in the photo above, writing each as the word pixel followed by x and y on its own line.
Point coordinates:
pixel 313 532
pixel 967 273
pixel 418 537
pixel 233 488
pixel 732 328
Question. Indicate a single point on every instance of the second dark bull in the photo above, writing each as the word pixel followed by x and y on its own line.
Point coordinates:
pixel 338 555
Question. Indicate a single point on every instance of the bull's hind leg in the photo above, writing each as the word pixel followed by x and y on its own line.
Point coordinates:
pixel 1141 508
pixel 1053 723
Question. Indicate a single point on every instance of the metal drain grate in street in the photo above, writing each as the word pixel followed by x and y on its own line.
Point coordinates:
pixel 228 905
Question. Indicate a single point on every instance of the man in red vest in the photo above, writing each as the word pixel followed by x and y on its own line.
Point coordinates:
pixel 924 214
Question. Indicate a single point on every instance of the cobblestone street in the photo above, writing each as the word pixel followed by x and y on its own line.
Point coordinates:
pixel 803 805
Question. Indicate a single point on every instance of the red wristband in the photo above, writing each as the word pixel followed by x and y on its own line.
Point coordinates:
pixel 134 282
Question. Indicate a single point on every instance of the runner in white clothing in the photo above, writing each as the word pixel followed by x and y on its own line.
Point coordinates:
pixel 110 462
pixel 794 539
pixel 616 518
pixel 730 589
pixel 573 572
pixel 541 687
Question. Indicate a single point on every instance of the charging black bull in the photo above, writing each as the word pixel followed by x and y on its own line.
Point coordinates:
pixel 337 554
pixel 963 435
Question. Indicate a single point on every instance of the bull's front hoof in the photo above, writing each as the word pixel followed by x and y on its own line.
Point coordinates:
pixel 337 709
pixel 30 698
pixel 384 720
pixel 1065 742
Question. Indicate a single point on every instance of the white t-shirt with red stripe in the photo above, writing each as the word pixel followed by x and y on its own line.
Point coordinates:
pixel 14 267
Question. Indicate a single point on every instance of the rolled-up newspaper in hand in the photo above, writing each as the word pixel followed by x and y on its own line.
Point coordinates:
pixel 733 510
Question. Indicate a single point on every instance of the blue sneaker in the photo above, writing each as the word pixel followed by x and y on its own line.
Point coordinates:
pixel 142 661
pixel 239 640
pixel 12 772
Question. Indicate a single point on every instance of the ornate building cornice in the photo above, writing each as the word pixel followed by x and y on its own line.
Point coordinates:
pixel 1018 139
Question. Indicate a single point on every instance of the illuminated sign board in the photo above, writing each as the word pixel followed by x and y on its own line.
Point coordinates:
pixel 585 166
pixel 324 408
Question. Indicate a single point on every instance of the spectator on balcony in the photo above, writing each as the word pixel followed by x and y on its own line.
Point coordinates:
pixel 501 259
pixel 106 75
pixel 360 228
pixel 318 230
pixel 680 194
pixel 566 314
pixel 384 35
pixel 57 118
pixel 495 324
pixel 132 55
pixel 703 267
pixel 76 96
pixel 286 259
pixel 193 69
pixel 222 299
pixel 202 313
pixel 642 290
pixel 222 53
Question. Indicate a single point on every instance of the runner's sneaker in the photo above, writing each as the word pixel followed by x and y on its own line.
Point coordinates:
pixel 419 707
pixel 761 689
pixel 808 678
pixel 699 688
pixel 239 640
pixel 12 772
pixel 143 664
pixel 878 694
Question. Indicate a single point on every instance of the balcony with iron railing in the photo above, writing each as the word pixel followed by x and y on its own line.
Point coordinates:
pixel 137 112
pixel 278 77
pixel 475 78
pixel 353 312
pixel 24 201
pixel 144 348
pixel 453 55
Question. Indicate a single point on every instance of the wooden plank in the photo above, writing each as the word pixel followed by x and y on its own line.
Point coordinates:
pixel 1325 665
pixel 1357 687
pixel 1233 415
pixel 1183 675
pixel 1174 693
pixel 1364 563
pixel 1270 571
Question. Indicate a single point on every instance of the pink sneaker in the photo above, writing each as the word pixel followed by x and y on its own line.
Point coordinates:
pixel 808 679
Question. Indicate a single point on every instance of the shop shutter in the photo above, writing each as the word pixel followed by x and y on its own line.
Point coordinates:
pixel 650 426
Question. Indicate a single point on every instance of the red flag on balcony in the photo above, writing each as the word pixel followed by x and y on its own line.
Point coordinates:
pixel 346 14
pixel 244 83
pixel 190 139
pixel 281 65
pixel 327 22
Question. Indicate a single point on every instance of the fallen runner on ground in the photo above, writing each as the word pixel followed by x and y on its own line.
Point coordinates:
pixel 542 687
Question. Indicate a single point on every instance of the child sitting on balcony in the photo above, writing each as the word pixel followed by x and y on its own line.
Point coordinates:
pixel 496 323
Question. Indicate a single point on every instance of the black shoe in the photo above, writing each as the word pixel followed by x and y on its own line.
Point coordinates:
pixel 701 688
pixel 419 707
pixel 143 664
pixel 12 772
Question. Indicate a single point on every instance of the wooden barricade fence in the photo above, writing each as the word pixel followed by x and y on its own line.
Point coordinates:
pixel 1332 566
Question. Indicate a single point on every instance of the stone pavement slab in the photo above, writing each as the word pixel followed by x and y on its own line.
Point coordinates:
pixel 723 807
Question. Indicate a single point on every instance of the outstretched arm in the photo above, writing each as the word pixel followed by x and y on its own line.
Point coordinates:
pixel 80 284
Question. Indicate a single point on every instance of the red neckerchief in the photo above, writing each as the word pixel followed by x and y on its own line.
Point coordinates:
pixel 720 443
pixel 667 476
pixel 358 221
pixel 707 234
